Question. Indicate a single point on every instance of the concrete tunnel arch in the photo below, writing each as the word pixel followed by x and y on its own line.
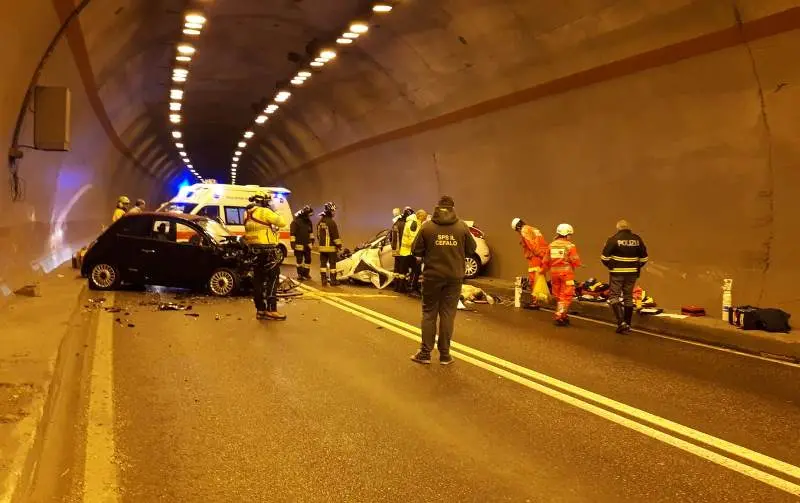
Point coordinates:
pixel 678 115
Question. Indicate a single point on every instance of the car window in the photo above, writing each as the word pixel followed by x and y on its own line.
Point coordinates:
pixel 186 208
pixel 217 230
pixel 234 215
pixel 211 212
pixel 133 227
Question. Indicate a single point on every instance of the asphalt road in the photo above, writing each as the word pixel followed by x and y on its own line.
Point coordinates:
pixel 328 407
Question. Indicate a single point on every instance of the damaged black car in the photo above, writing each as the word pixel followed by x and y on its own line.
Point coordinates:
pixel 166 249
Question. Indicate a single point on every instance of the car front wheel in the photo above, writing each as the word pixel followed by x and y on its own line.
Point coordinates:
pixel 473 267
pixel 223 283
pixel 104 277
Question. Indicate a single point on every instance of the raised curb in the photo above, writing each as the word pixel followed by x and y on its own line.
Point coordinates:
pixel 705 329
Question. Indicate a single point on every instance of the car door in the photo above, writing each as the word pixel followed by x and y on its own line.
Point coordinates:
pixel 193 259
pixel 128 250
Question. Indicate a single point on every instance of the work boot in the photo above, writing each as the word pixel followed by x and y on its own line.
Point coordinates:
pixel 619 314
pixel 324 277
pixel 307 273
pixel 272 311
pixel 334 280
pixel 261 315
pixel 445 359
pixel 628 316
pixel 300 274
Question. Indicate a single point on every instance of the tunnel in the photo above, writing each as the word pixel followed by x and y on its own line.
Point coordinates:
pixel 678 116
pixel 674 115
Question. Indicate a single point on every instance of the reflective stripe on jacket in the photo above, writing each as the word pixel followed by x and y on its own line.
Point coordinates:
pixel 261 226
pixel 561 257
pixel 410 232
pixel 328 235
pixel 624 253
pixel 302 233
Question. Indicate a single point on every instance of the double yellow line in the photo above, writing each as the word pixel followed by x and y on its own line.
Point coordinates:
pixel 771 471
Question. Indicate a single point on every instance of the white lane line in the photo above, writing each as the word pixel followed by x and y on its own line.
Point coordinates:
pixel 100 469
pixel 549 383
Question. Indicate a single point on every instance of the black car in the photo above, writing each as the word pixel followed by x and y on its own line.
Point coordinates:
pixel 167 249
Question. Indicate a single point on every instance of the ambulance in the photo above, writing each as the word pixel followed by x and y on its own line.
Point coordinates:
pixel 227 204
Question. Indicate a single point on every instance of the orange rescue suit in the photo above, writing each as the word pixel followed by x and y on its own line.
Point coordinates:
pixel 534 247
pixel 561 260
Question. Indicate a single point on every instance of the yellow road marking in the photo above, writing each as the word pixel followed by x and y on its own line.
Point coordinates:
pixel 100 470
pixel 546 384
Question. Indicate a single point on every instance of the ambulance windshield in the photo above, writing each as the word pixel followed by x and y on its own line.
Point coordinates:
pixel 185 208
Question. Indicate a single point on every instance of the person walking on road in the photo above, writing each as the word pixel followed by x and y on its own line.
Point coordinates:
pixel 302 239
pixel 444 243
pixel 261 225
pixel 561 259
pixel 534 247
pixel 122 208
pixel 329 244
pixel 624 255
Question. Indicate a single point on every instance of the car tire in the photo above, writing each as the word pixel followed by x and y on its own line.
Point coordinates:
pixel 284 253
pixel 472 267
pixel 104 277
pixel 223 283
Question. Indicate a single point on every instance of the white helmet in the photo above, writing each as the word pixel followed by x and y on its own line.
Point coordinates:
pixel 515 223
pixel 564 230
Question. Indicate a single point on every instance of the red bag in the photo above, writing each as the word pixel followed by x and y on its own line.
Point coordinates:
pixel 693 311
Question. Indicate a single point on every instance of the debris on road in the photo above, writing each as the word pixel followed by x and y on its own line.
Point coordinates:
pixel 131 325
pixel 217 317
pixel 98 300
pixel 171 306
pixel 114 310
pixel 193 315
pixel 29 291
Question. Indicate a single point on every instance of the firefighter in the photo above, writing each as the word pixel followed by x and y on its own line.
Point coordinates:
pixel 534 247
pixel 261 225
pixel 302 239
pixel 122 208
pixel 396 240
pixel 561 259
pixel 404 254
pixel 138 207
pixel 329 244
pixel 624 255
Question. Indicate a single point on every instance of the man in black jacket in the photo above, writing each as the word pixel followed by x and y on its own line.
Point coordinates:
pixel 302 239
pixel 624 255
pixel 444 244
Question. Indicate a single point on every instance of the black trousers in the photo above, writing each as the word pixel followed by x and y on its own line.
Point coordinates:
pixel 327 262
pixel 439 303
pixel 266 272
pixel 624 284
pixel 303 258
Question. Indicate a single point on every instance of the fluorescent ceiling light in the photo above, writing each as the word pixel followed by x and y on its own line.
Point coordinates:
pixel 188 31
pixel 350 35
pixel 272 107
pixel 183 59
pixel 176 94
pixel 344 41
pixel 179 145
pixel 182 153
pixel 180 71
pixel 283 97
pixel 237 153
pixel 175 106
pixel 234 165
pixel 304 74
pixel 176 134
pixel 186 49
pixel 242 144
pixel 248 134
pixel 193 26
pixel 195 18
pixel 328 54
pixel 298 82
pixel 359 28
pixel 175 118
pixel 382 8
pixel 261 119
pixel 316 64
pixel 178 78
pixel 235 159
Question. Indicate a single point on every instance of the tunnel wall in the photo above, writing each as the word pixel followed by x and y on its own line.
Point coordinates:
pixel 695 143
pixel 69 196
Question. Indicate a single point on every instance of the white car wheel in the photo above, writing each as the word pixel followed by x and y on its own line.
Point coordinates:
pixel 222 283
pixel 472 267
pixel 103 277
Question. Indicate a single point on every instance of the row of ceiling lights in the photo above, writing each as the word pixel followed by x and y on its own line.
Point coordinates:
pixel 192 27
pixel 356 29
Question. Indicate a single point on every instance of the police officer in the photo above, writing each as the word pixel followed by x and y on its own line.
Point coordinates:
pixel 122 208
pixel 261 226
pixel 302 239
pixel 329 244
pixel 402 263
pixel 624 255
pixel 444 244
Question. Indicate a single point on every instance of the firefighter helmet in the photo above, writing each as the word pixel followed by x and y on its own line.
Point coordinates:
pixel 123 200
pixel 565 230
pixel 408 211
pixel 517 224
pixel 330 207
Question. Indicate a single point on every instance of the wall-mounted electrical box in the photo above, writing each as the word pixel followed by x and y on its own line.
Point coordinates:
pixel 51 124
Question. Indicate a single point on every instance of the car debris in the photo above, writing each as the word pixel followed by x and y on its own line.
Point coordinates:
pixel 193 315
pixel 171 306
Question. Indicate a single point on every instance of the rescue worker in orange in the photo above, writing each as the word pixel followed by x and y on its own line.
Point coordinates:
pixel 123 203
pixel 534 247
pixel 561 259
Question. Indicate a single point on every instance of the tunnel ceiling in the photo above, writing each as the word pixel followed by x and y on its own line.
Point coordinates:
pixel 247 51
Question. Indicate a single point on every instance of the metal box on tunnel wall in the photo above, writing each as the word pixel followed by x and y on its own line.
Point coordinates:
pixel 51 123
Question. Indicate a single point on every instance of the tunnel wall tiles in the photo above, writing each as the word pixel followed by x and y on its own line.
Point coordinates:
pixel 680 150
pixel 68 195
